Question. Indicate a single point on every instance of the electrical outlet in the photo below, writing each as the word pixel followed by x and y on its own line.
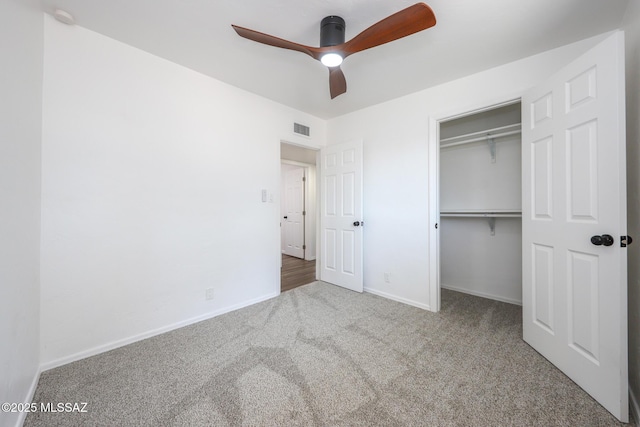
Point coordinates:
pixel 209 294
pixel 387 277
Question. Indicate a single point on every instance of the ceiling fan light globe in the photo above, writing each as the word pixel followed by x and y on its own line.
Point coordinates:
pixel 331 59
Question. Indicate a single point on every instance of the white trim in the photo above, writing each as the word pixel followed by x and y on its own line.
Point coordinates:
pixel 479 107
pixel 302 144
pixel 29 397
pixel 635 407
pixel 120 343
pixel 434 214
pixel 311 258
pixel 623 267
pixel 296 163
pixel 316 169
pixel 481 294
pixel 398 299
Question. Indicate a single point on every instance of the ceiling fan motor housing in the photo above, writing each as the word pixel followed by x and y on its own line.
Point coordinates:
pixel 332 30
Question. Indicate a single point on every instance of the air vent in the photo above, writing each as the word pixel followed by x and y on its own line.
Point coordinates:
pixel 301 129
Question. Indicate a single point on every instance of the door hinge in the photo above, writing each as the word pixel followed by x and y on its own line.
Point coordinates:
pixel 304 247
pixel 304 179
pixel 625 241
pixel 304 213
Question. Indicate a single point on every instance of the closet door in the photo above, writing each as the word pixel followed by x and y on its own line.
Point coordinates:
pixel 574 214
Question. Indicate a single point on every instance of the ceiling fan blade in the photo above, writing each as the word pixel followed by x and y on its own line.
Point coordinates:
pixel 267 39
pixel 337 82
pixel 401 24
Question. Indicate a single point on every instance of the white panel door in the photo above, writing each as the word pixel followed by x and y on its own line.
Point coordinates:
pixel 293 221
pixel 574 188
pixel 341 215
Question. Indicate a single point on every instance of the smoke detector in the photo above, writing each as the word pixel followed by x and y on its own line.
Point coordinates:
pixel 64 17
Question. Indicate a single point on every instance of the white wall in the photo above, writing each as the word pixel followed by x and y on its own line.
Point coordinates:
pixel 152 177
pixel 632 41
pixel 473 260
pixel 21 45
pixel 469 180
pixel 396 165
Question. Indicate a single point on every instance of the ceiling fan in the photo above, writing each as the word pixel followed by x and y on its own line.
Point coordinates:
pixel 333 49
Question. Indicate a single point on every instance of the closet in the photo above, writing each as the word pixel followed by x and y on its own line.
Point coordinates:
pixel 481 204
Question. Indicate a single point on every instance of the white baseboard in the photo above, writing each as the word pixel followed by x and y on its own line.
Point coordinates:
pixel 29 397
pixel 398 299
pixel 120 343
pixel 480 294
pixel 635 408
pixel 310 258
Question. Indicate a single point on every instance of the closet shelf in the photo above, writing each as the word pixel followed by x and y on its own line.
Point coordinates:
pixel 484 135
pixel 490 215
pixel 497 213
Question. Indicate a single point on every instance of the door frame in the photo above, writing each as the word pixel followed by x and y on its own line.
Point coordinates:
pixel 316 149
pixel 434 184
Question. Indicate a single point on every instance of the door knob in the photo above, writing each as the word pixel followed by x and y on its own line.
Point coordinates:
pixel 356 223
pixel 604 240
pixel 285 217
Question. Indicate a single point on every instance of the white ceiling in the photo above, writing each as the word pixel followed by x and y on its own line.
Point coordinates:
pixel 470 36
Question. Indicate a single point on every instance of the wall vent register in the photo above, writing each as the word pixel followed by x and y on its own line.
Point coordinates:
pixel 301 129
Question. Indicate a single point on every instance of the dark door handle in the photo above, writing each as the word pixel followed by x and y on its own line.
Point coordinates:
pixel 356 223
pixel 286 217
pixel 604 240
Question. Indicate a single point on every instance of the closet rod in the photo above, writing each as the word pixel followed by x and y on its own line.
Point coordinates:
pixel 515 126
pixel 481 215
pixel 480 138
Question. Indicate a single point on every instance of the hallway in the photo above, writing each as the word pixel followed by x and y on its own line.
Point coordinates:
pixel 296 272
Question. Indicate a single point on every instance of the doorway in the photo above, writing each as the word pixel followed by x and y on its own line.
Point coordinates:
pixel 298 216
pixel 480 201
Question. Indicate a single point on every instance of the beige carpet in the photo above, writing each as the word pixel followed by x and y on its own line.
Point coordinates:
pixel 321 355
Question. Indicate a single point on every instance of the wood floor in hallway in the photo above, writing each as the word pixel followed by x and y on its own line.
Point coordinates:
pixel 296 272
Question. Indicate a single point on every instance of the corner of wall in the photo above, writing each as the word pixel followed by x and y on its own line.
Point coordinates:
pixel 21 145
pixel 634 408
pixel 631 27
pixel 29 398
